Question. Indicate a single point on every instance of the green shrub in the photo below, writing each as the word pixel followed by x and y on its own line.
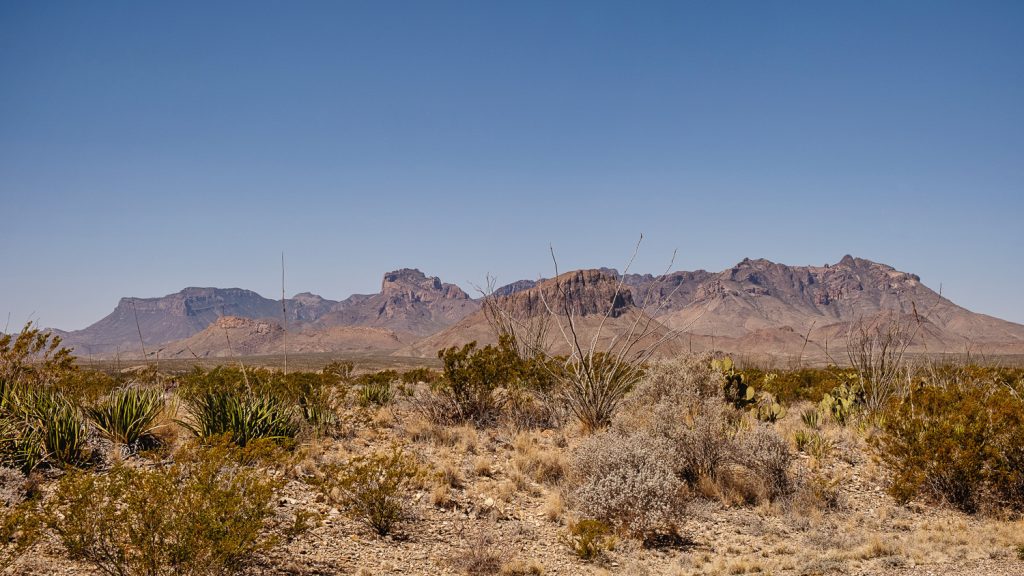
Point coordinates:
pixel 202 516
pixel 593 387
pixel 960 439
pixel 127 415
pixel 19 530
pixel 791 386
pixel 373 489
pixel 589 539
pixel 417 375
pixel 244 417
pixel 471 377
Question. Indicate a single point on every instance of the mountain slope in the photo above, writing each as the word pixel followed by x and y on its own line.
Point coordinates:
pixel 233 336
pixel 167 318
pixel 599 307
pixel 759 294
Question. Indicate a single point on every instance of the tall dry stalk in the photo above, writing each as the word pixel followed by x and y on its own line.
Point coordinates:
pixel 877 351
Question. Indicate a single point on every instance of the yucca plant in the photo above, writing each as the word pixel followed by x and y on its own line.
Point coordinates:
pixel 243 417
pixel 127 415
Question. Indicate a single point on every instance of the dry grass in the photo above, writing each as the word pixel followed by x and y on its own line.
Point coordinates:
pixel 543 465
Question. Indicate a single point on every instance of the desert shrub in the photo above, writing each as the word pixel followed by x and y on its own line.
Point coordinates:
pixel 628 483
pixel 417 375
pixel 682 401
pixel 19 530
pixel 589 539
pixel 767 455
pixel 959 439
pixel 683 404
pixel 476 380
pixel 338 372
pixel 202 516
pixel 675 382
pixel 127 415
pixel 244 417
pixel 791 386
pixel 373 489
pixel 594 386
pixel 33 356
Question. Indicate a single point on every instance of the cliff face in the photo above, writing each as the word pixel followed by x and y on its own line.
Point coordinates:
pixel 585 292
pixel 167 318
pixel 409 302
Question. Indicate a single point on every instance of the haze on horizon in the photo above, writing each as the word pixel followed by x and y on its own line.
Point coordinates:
pixel 145 148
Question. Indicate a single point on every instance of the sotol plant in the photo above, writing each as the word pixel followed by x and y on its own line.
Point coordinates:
pixel 244 417
pixel 127 415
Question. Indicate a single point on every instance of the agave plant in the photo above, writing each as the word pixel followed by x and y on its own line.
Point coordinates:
pixel 244 417
pixel 127 415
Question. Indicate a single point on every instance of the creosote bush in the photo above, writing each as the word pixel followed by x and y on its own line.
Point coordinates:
pixel 957 438
pixel 202 516
pixel 373 489
pixel 478 382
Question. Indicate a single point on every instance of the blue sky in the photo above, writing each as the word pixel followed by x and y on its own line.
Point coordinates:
pixel 145 147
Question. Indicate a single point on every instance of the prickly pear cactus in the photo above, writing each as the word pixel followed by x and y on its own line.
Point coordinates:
pixel 737 390
pixel 768 410
pixel 841 402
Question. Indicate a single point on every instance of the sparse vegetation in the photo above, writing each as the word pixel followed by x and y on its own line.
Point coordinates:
pixel 204 515
pixel 373 489
pixel 677 452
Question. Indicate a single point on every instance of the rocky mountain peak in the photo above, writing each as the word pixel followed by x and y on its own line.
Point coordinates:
pixel 413 285
pixel 588 292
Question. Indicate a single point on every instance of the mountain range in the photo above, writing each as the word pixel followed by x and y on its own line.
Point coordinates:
pixel 757 307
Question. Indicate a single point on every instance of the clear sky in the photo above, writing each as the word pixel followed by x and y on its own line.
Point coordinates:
pixel 145 147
